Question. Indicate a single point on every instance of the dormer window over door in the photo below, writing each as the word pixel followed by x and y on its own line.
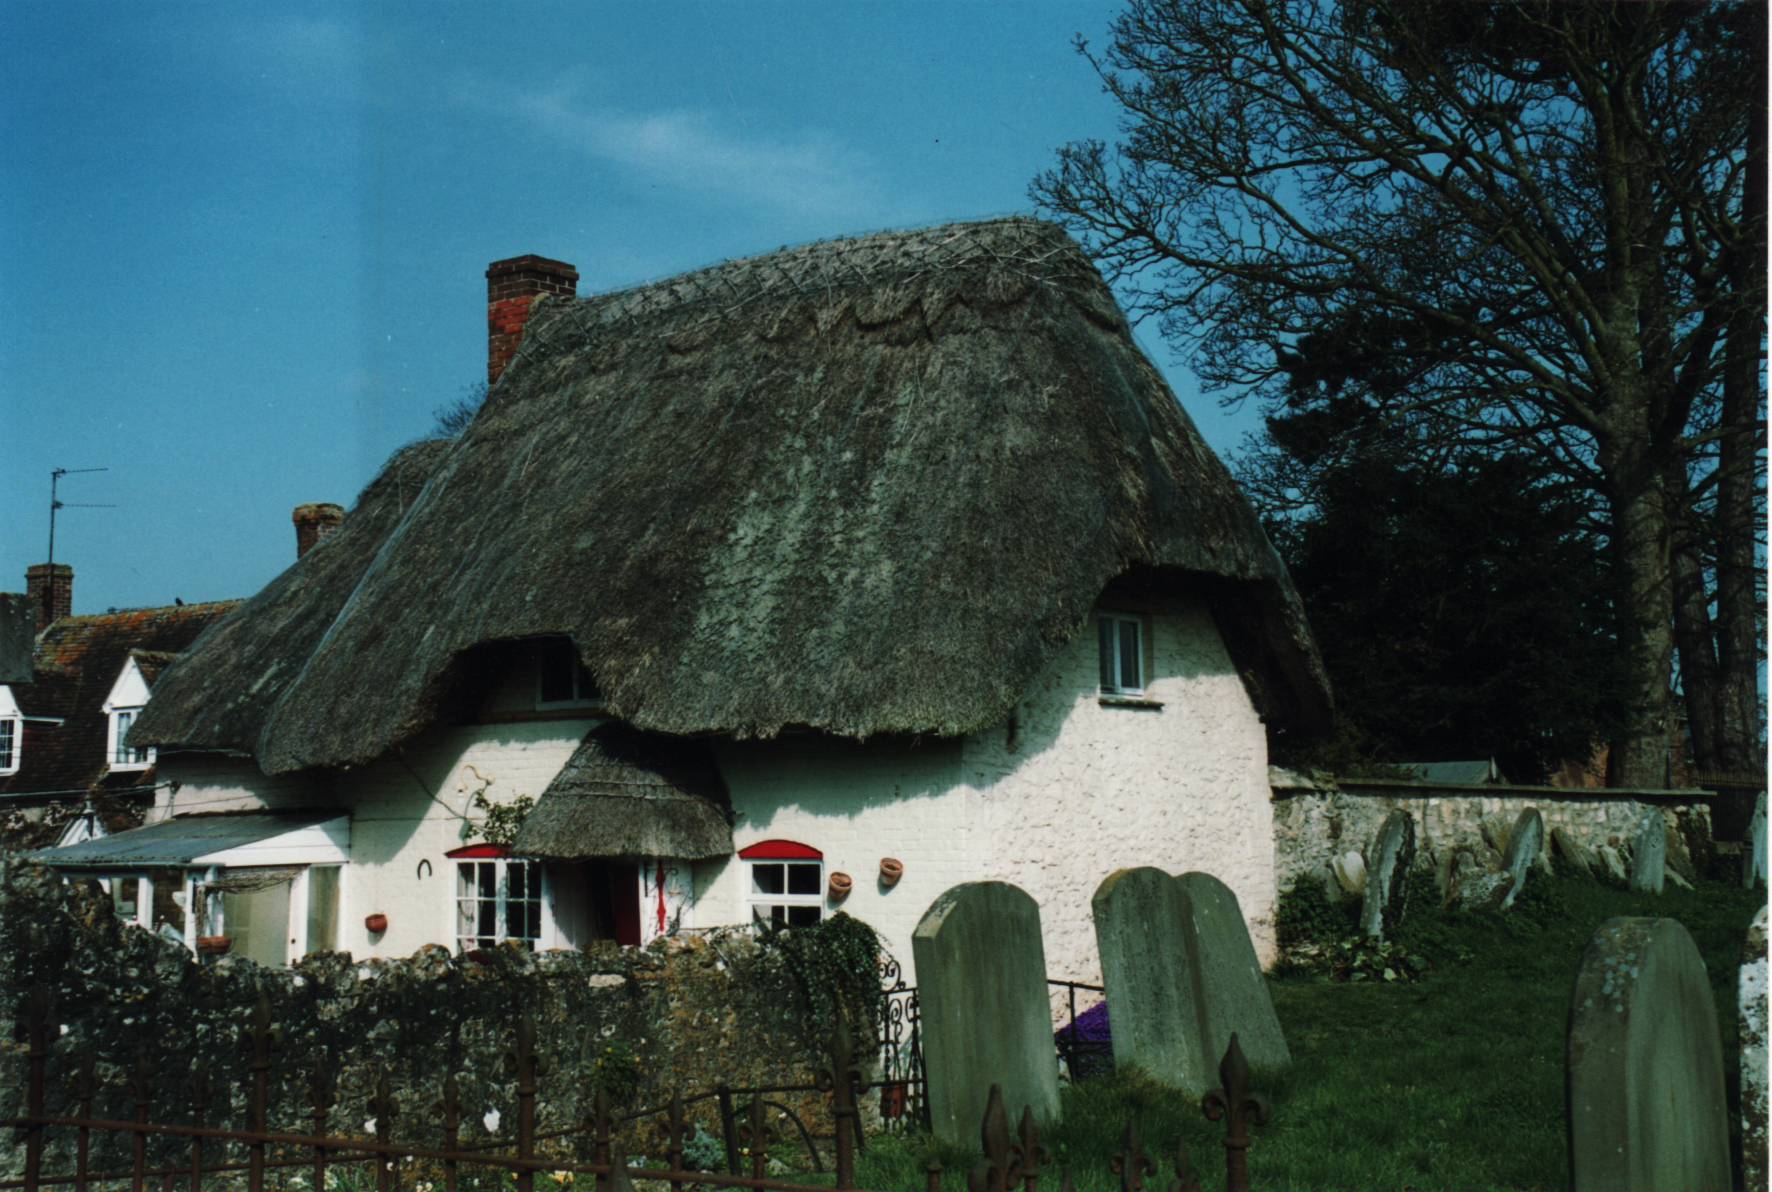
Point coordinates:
pixel 1122 653
pixel 561 681
pixel 123 756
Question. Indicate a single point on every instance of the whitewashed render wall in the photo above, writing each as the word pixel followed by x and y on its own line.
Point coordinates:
pixel 1079 789
pixel 1083 789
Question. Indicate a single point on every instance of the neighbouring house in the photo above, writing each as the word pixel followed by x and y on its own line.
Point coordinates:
pixel 820 580
pixel 67 771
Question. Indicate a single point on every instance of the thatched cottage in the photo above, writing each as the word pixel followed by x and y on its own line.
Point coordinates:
pixel 831 577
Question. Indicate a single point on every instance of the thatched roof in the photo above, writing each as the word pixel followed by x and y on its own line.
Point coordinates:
pixel 631 794
pixel 233 675
pixel 866 486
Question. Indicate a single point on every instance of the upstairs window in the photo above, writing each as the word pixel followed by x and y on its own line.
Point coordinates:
pixel 561 680
pixel 497 898
pixel 1122 653
pixel 784 883
pixel 12 742
pixel 123 757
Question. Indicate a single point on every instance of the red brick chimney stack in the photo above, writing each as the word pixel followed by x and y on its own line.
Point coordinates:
pixel 51 588
pixel 314 522
pixel 511 289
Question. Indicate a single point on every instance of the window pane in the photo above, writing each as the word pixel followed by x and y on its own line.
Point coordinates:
pixel 518 878
pixel 323 908
pixel 1130 655
pixel 488 879
pixel 559 665
pixel 802 916
pixel 766 879
pixel 486 918
pixel 1106 625
pixel 5 744
pixel 803 879
pixel 532 931
pixel 124 720
pixel 778 914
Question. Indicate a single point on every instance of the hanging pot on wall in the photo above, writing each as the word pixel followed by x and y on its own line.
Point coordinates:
pixel 213 945
pixel 891 869
pixel 377 923
pixel 841 884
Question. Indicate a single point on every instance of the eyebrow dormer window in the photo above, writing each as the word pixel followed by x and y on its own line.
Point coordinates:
pixel 561 681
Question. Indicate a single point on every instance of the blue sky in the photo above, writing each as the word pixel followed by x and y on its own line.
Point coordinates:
pixel 242 249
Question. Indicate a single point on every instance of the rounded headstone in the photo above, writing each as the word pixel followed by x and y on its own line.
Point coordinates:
pixel 983 1010
pixel 1140 932
pixel 1391 854
pixel 1648 861
pixel 1233 994
pixel 1524 842
pixel 1751 990
pixel 1350 871
pixel 1577 855
pixel 1613 861
pixel 1646 1105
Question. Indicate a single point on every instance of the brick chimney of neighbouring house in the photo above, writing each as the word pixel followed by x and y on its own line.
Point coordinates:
pixel 314 522
pixel 511 289
pixel 51 588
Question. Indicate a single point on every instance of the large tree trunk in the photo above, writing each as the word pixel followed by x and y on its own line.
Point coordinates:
pixel 1640 542
pixel 1699 681
pixel 1737 518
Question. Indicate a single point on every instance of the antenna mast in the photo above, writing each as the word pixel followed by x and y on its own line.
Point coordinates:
pixel 55 503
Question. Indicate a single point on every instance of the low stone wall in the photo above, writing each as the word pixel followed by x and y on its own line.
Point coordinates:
pixel 694 1012
pixel 1316 821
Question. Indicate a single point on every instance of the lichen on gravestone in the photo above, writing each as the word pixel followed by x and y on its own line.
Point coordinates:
pixel 1648 873
pixel 1751 1002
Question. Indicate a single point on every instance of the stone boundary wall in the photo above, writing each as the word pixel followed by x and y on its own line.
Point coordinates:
pixel 1315 821
pixel 694 1011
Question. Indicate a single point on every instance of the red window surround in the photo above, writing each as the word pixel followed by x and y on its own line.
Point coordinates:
pixel 476 851
pixel 780 850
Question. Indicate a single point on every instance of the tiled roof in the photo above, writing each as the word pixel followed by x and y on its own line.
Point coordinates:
pixel 77 660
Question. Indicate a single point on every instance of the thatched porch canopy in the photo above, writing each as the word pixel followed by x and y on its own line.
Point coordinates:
pixel 631 794
pixel 865 486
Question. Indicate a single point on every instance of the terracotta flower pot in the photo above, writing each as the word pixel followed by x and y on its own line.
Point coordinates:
pixel 841 884
pixel 891 869
pixel 376 923
pixel 213 945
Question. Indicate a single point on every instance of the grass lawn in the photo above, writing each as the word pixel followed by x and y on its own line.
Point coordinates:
pixel 1454 1081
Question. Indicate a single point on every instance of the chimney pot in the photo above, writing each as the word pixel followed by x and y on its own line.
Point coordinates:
pixel 314 522
pixel 51 588
pixel 512 286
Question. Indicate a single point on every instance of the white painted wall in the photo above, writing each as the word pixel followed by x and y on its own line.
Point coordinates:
pixel 1086 788
pixel 1083 789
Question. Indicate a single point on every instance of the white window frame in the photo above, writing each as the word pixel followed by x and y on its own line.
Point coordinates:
pixel 1110 651
pixel 137 759
pixel 543 896
pixel 761 905
pixel 583 694
pixel 12 732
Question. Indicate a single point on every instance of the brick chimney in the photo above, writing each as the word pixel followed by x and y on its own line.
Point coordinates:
pixel 511 289
pixel 314 522
pixel 51 588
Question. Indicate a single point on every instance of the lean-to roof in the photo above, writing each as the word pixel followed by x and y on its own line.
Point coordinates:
pixel 865 486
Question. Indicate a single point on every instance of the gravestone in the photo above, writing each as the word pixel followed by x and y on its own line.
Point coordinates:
pixel 1751 990
pixel 1648 861
pixel 1232 992
pixel 1753 849
pixel 1141 932
pixel 1350 871
pixel 1524 842
pixel 1613 860
pixel 1645 1097
pixel 985 1018
pixel 1579 857
pixel 1494 834
pixel 1387 870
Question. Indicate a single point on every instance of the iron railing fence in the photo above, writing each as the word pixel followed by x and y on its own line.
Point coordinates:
pixel 246 1154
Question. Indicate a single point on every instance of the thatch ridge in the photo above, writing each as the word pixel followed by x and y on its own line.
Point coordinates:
pixel 625 793
pixel 863 486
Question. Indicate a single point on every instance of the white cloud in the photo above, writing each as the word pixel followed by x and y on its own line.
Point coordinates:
pixel 808 172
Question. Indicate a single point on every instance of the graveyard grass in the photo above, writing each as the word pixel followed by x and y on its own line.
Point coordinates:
pixel 1454 1081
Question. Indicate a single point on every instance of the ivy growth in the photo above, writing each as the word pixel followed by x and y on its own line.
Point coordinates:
pixel 834 968
pixel 503 820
